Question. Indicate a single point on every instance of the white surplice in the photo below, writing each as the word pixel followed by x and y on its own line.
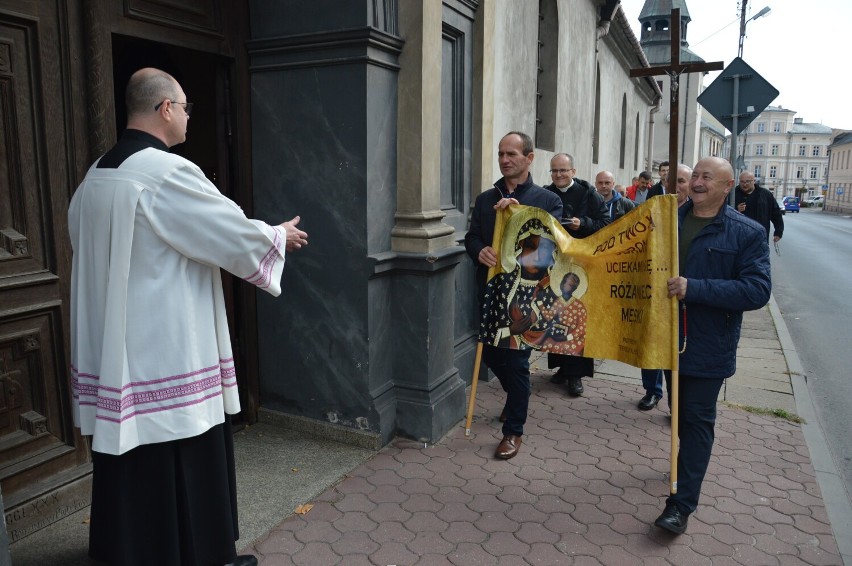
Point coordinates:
pixel 151 355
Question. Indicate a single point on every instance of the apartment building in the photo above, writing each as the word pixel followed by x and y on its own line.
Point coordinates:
pixel 787 155
pixel 837 196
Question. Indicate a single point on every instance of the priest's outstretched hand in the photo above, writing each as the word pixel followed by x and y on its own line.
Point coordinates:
pixel 295 237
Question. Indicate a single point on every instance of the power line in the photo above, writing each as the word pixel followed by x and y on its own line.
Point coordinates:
pixel 715 32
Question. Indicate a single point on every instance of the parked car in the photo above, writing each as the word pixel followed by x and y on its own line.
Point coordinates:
pixel 780 201
pixel 816 200
pixel 791 204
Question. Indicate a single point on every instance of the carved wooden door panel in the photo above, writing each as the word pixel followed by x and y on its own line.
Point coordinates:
pixel 37 439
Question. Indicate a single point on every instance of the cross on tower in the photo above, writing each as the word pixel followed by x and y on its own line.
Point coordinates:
pixel 674 70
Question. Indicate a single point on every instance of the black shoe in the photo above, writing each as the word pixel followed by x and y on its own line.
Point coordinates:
pixel 649 401
pixel 244 560
pixel 672 520
pixel 575 386
pixel 558 378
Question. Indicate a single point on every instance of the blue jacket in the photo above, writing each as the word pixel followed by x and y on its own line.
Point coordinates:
pixel 618 205
pixel 727 271
pixel 484 217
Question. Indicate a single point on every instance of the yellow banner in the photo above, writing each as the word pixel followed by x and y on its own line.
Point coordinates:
pixel 604 296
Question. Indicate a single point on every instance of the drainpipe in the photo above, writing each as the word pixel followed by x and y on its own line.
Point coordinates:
pixel 607 13
pixel 649 162
pixel 603 29
pixel 686 107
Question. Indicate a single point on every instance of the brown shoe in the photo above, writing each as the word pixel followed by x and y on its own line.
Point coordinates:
pixel 508 447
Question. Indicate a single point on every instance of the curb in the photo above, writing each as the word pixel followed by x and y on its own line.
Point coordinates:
pixel 837 503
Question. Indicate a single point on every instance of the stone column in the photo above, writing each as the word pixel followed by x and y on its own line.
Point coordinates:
pixel 429 394
pixel 418 225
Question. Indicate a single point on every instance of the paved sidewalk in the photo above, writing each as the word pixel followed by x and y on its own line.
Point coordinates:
pixel 589 481
pixel 585 489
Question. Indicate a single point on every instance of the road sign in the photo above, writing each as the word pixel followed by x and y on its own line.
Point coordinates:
pixel 755 94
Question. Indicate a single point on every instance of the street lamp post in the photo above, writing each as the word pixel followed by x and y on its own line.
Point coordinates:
pixel 736 78
pixel 744 21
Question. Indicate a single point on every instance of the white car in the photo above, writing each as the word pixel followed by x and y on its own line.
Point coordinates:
pixel 817 200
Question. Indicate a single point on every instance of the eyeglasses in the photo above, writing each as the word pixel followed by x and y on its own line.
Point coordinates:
pixel 560 171
pixel 187 106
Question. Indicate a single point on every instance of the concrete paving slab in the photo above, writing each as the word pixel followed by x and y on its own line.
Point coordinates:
pixel 755 397
pixel 760 384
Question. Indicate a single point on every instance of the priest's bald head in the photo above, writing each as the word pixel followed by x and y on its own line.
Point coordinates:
pixel 156 104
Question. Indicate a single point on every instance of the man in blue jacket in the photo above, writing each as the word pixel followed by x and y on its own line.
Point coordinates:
pixel 512 367
pixel 724 270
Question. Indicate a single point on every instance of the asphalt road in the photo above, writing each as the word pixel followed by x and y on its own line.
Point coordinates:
pixel 811 283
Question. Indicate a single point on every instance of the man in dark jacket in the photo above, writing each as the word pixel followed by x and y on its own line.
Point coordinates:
pixel 758 204
pixel 583 213
pixel 512 367
pixel 659 188
pixel 724 270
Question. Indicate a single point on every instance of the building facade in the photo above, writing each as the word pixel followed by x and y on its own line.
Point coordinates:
pixel 787 155
pixel 712 137
pixel 376 121
pixel 838 195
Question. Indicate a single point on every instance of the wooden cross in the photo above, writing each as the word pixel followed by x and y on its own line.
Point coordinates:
pixel 674 70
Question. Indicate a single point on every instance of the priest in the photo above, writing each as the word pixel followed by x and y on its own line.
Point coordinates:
pixel 152 371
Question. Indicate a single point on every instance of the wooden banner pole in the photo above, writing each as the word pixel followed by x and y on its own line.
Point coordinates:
pixel 675 351
pixel 472 402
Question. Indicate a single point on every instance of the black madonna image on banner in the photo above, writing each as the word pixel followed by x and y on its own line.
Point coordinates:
pixel 534 303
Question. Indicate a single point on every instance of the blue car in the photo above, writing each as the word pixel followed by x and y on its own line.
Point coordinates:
pixel 791 204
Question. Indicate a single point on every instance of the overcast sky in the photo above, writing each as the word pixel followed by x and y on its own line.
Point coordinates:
pixel 793 47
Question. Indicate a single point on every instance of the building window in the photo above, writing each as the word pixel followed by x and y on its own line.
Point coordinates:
pixel 596 137
pixel 548 64
pixel 758 149
pixel 815 151
pixel 761 127
pixel 800 172
pixel 813 173
pixel 757 171
pixel 776 127
pixel 773 171
pixel 803 150
pixel 636 144
pixel 622 150
pixel 774 149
